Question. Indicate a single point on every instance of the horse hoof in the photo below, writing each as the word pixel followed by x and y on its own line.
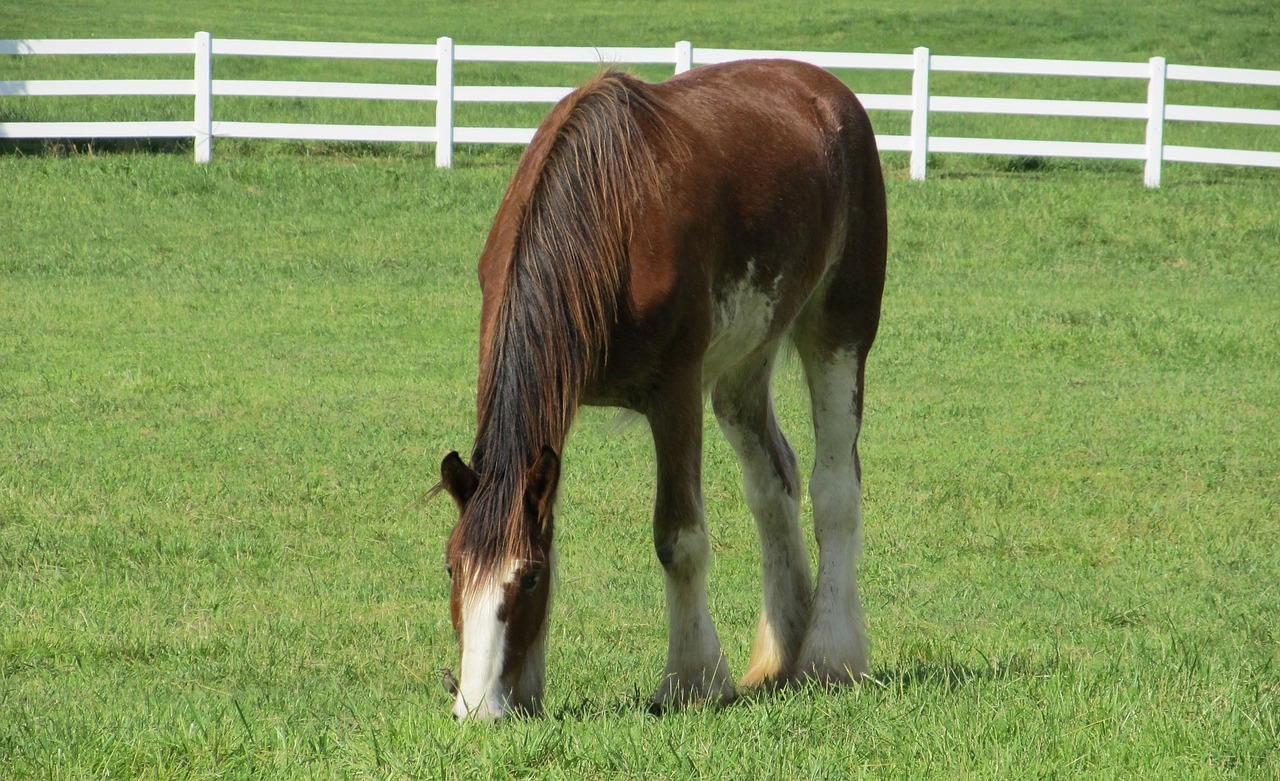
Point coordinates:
pixel 675 694
pixel 829 675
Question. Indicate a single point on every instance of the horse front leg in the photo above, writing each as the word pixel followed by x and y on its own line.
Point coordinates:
pixel 696 669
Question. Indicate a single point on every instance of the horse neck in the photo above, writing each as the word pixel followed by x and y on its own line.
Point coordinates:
pixel 533 377
pixel 554 267
pixel 508 442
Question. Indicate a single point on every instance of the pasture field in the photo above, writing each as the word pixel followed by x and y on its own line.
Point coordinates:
pixel 1238 35
pixel 224 388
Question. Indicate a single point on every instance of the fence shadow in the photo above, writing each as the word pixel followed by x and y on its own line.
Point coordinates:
pixel 87 147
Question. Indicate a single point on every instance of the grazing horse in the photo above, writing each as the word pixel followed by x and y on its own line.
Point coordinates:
pixel 660 241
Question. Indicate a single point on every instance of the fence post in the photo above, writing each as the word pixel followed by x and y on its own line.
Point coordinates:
pixel 920 114
pixel 684 56
pixel 1155 123
pixel 444 102
pixel 203 131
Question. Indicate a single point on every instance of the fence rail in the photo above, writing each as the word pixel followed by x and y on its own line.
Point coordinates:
pixel 445 93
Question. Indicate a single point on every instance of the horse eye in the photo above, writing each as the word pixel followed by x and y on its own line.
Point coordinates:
pixel 529 582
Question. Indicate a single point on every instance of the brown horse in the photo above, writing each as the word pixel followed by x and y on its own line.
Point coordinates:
pixel 657 242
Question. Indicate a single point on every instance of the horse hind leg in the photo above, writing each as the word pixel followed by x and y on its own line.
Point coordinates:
pixel 743 405
pixel 834 650
pixel 833 336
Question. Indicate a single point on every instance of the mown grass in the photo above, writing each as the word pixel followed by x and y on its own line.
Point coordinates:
pixel 226 387
pixel 223 390
pixel 1184 32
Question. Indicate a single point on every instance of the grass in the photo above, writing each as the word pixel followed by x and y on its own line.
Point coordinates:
pixel 224 388
pixel 1184 32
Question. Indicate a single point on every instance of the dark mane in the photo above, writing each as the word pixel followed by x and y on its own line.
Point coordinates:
pixel 556 297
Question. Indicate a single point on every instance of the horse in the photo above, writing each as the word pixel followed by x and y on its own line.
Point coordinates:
pixel 659 242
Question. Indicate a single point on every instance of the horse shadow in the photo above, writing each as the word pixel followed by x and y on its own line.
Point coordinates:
pixel 946 674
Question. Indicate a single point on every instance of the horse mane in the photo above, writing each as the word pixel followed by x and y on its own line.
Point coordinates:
pixel 556 296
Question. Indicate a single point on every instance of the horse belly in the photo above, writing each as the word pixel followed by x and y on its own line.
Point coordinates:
pixel 745 317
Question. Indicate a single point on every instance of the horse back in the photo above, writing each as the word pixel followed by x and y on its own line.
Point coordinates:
pixel 770 169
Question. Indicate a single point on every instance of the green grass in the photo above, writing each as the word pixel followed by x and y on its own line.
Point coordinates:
pixel 1185 32
pixel 223 390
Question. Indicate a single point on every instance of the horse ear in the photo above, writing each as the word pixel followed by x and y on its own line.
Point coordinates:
pixel 540 491
pixel 458 479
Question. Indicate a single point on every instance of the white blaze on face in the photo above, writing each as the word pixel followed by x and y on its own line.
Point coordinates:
pixel 481 693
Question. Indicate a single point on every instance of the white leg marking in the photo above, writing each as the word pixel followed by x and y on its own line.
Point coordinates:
pixel 835 645
pixel 480 690
pixel 696 667
pixel 784 563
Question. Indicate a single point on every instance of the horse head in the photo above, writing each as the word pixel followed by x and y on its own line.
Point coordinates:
pixel 500 563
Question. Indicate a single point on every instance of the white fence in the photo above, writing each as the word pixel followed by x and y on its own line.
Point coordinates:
pixel 445 94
